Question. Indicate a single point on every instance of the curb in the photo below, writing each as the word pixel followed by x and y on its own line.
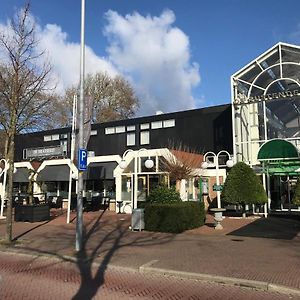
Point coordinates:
pixel 148 268
pixel 254 284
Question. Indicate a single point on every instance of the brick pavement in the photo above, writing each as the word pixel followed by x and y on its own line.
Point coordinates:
pixel 254 249
pixel 40 278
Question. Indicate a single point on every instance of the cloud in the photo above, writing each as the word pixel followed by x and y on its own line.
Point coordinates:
pixel 149 51
pixel 156 55
pixel 65 57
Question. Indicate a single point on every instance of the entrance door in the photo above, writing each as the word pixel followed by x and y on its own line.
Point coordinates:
pixel 127 188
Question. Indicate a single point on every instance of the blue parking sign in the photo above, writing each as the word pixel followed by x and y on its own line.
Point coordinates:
pixel 82 159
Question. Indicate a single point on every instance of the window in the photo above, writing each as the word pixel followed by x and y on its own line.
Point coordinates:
pixel 47 138
pixel 91 153
pixel 130 139
pixel 55 137
pixel 110 130
pixel 145 126
pixel 169 123
pixel 120 129
pixel 94 132
pixel 131 128
pixel 145 138
pixel 156 125
pixel 64 145
pixel 63 136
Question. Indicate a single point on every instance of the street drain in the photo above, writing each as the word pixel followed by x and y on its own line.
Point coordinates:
pixel 237 240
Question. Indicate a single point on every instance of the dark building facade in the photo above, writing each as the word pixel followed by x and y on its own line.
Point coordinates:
pixel 201 130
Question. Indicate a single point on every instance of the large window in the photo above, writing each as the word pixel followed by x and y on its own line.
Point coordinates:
pixel 130 139
pixel 145 138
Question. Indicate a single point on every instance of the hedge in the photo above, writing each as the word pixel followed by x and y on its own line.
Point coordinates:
pixel 174 217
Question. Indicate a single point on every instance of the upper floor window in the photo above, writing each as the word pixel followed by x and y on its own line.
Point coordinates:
pixel 120 129
pixel 109 130
pixel 156 124
pixel 130 127
pixel 94 132
pixel 144 138
pixel 52 137
pixel 145 126
pixel 169 123
pixel 130 139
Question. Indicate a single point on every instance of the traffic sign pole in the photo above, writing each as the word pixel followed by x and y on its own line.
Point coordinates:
pixel 79 220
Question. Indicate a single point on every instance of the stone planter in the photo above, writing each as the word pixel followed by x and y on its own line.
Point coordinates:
pixel 32 213
pixel 218 217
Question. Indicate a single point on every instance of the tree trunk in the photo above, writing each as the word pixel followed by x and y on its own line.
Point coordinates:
pixel 10 158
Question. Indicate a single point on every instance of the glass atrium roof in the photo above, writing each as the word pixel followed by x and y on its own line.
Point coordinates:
pixel 273 77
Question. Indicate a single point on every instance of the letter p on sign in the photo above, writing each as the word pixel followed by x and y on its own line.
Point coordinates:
pixel 82 159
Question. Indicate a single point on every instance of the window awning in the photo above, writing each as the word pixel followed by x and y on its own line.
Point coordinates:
pixel 21 175
pixel 54 173
pixel 100 170
pixel 284 170
pixel 277 149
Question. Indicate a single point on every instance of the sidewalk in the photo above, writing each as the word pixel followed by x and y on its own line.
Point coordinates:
pixel 261 250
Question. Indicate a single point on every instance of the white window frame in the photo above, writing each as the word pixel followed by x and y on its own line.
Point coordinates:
pixel 145 126
pixel 47 138
pixel 131 128
pixel 110 130
pixel 156 124
pixel 129 142
pixel 120 129
pixel 55 137
pixel 94 132
pixel 169 123
pixel 145 137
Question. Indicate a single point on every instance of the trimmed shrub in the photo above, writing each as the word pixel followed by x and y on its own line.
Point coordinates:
pixel 174 217
pixel 163 194
pixel 242 186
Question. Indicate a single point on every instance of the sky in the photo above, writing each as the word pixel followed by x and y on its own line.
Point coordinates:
pixel 177 54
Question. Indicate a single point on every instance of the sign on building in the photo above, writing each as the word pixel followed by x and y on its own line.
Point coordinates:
pixel 43 152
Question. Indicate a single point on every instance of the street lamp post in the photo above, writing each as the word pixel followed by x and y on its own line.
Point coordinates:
pixel 3 171
pixel 205 165
pixel 123 164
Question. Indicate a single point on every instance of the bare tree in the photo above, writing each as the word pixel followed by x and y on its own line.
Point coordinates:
pixel 113 98
pixel 24 88
pixel 181 163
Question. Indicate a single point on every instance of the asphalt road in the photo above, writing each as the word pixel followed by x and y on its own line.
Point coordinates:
pixel 35 278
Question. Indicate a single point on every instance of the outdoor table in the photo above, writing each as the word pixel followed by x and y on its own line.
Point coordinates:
pixel 218 217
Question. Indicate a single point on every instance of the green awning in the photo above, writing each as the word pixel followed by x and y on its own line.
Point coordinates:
pixel 277 149
pixel 284 170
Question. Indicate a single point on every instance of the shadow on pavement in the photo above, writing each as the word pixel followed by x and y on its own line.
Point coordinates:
pixel 271 227
pixel 103 237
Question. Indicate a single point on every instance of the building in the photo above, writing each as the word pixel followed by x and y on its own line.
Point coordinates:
pixel 49 154
pixel 266 120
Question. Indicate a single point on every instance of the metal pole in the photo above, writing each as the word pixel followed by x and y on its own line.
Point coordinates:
pixel 79 223
pixel 218 180
pixel 135 180
pixel 73 136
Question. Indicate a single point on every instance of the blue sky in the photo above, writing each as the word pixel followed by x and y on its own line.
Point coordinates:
pixel 202 43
